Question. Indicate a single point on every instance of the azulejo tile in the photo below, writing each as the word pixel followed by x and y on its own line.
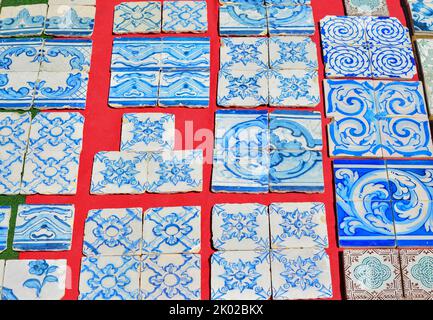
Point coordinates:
pixel 417 274
pixel 343 30
pixel 290 20
pixel 5 214
pixel 242 19
pixel 347 61
pixel 34 280
pixel 20 55
pixel 184 16
pixel 298 225
pixel 171 277
pixel 111 232
pixel 148 132
pixel 247 53
pixel 17 89
pixel 240 227
pixel 172 230
pixel 185 53
pixel 288 2
pixel 72 20
pixel 27 20
pixel 255 268
pixel 137 17
pixel 366 8
pixel 73 2
pixel 110 278
pixel 387 31
pixel 393 62
pixel 425 53
pixel 421 18
pixel 292 53
pixel 372 274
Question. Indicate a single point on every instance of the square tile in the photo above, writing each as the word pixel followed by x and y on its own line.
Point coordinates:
pixel 175 171
pixel 417 273
pixel 393 62
pixel 44 228
pixel 293 53
pixel 240 227
pixel 290 20
pixel 113 232
pixel 343 30
pixel 372 274
pixel 137 17
pixel 26 20
pixel 184 53
pixel 366 8
pixel 298 225
pixel 34 280
pixel 254 285
pixel 301 274
pixel 66 55
pixel 419 13
pixel 136 54
pixel 172 230
pixel 246 53
pixel 242 19
pixel 347 61
pixel 14 133
pixel 148 132
pixel 20 55
pixel 388 32
pixel 5 214
pixel 110 278
pixel 171 277
pixel 70 21
pixel 17 90
pixel 119 173
pixel 294 88
pixel 184 16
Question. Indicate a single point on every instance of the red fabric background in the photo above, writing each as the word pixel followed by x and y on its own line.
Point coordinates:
pixel 102 133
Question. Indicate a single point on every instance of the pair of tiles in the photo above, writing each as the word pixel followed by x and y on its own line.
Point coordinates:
pixel 367 47
pixel 51 144
pixel 377 119
pixel 421 18
pixel 384 204
pixel 167 72
pixel 145 17
pixel 366 8
pixel 253 19
pixel 45 74
pixel 256 152
pixel 386 274
pixel 279 71
pixel 32 279
pixel 62 19
pixel 425 51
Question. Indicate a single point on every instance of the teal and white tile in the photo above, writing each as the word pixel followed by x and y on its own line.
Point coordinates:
pixel 366 8
pixel 416 273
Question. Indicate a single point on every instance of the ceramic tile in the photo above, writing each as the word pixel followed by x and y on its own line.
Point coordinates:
pixel 148 132
pixel 366 8
pixel 172 230
pixel 428 84
pixel 247 53
pixel 290 20
pixel 171 277
pixel 44 228
pixel 136 54
pixel 134 88
pixel 66 55
pixel 137 17
pixel 184 16
pixel 70 21
pixel 20 55
pixel 419 14
pixel 298 225
pixel 5 214
pixel 72 2
pixel 240 227
pixel 110 278
pixel 372 274
pixel 184 88
pixel 17 90
pixel 387 31
pixel 119 173
pixel 242 88
pixel 293 53
pixel 27 20
pixel 288 2
pixel 185 53
pixel 294 88
pixel 254 285
pixel 175 171
pixel 252 2
pixel 393 62
pixel 425 52
pixel 113 232
pixel 347 61
pixel 14 133
pixel 2 269
pixel 34 280
pixel 343 30
pixel 242 20
pixel 417 273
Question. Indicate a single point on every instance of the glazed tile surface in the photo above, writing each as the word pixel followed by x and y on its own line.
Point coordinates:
pixel 70 21
pixel 366 7
pixel 246 53
pixel 137 17
pixel 5 214
pixel 184 16
pixel 290 20
pixel 20 55
pixel 132 54
pixel 27 20
pixel 185 53
pixel 242 20
pixel 417 273
pixel 292 53
pixel 419 11
pixel 23 83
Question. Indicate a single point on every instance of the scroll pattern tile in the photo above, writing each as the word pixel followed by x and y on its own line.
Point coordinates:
pixel 27 20
pixel 184 16
pixel 419 11
pixel 70 21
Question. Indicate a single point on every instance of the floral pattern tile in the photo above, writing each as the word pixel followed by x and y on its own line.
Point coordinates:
pixel 242 19
pixel 417 273
pixel 26 20
pixel 289 52
pixel 184 16
pixel 366 8
pixel 290 20
pixel 137 17
pixel 419 11
pixel 246 53
pixel 70 21
pixel 5 214
pixel 20 55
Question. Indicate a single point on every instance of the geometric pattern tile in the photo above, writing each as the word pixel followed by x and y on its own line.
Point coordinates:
pixel 417 272
pixel 366 8
pixel 184 16
pixel 137 17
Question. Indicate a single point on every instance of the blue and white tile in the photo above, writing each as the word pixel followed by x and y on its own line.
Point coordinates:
pixel 240 227
pixel 175 171
pixel 298 225
pixel 184 16
pixel 294 88
pixel 144 132
pixel 186 88
pixel 242 19
pixel 255 284
pixel 44 228
pixel 2 271
pixel 26 20
pixel 17 90
pixel 301 274
pixel 5 215
pixel 171 277
pixel 14 133
pixel 134 88
pixel 110 278
pixel 66 55
pixel 290 20
pixel 113 232
pixel 251 2
pixel 246 53
pixel 287 2
pixel 34 280
pixel 419 11
pixel 243 88
pixel 73 2
pixel 136 54
pixel 344 61
pixel 387 31
pixel 137 17
pixel 119 173
pixel 172 230
pixel 292 53
pixel 20 55
pixel 393 62
pixel 180 53
pixel 70 21
pixel 343 30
